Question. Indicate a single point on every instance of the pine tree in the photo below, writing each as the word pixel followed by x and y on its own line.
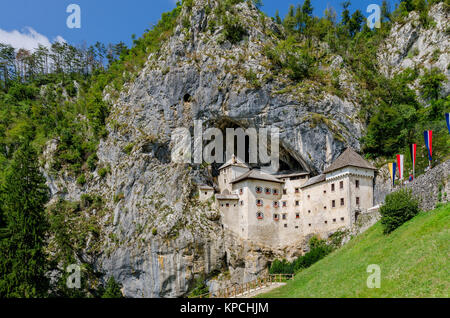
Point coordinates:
pixel 23 263
pixel 277 17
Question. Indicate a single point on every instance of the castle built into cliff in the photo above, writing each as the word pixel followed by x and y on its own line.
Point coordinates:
pixel 281 210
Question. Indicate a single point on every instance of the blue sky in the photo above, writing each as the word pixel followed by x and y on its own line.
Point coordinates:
pixel 110 21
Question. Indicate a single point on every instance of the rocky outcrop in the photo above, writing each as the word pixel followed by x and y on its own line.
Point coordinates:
pixel 411 44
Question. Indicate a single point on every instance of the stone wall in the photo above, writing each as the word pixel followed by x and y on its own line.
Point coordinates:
pixel 432 185
pixel 426 187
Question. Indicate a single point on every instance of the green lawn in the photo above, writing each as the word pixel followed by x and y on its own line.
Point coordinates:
pixel 414 262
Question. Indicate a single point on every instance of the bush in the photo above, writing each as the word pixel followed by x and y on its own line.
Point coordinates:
pixel 81 180
pixel 399 208
pixel 318 250
pixel 112 289
pixel 200 287
pixel 233 29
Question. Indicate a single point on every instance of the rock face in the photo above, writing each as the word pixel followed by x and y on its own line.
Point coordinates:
pixel 411 45
pixel 160 237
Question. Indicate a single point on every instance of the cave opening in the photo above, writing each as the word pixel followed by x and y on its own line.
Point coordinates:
pixel 187 98
pixel 288 163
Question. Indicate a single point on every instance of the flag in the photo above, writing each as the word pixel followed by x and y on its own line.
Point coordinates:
pixel 413 150
pixel 392 170
pixel 400 161
pixel 447 119
pixel 428 135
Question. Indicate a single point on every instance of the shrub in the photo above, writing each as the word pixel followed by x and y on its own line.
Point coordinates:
pixel 154 231
pixel 399 208
pixel 318 250
pixel 233 29
pixel 200 287
pixel 119 197
pixel 112 289
pixel 81 180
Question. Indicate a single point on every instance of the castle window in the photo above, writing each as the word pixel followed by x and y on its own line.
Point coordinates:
pixel 332 187
pixel 309 197
pixel 357 184
pixel 357 200
pixel 225 180
pixel 334 220
pixel 333 203
pixel 258 190
pixel 285 225
pixel 324 207
pixel 275 192
pixel 342 219
pixel 276 204
pixel 309 224
pixel 241 191
pixel 342 202
pixel 259 202
pixel 268 191
pixel 284 204
pixel 206 193
pixel 228 205
pixel 296 227
pixel 326 222
pixel 324 191
pixel 297 203
pixel 242 202
pixel 309 211
pixel 284 191
pixel 285 216
pixel 341 185
pixel 297 190
pixel 276 217
pixel 259 215
pixel 297 215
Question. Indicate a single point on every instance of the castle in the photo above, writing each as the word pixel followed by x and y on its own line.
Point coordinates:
pixel 280 210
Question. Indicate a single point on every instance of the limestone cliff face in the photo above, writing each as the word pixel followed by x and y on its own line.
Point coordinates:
pixel 411 45
pixel 158 236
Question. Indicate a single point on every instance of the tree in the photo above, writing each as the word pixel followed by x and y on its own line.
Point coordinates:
pixel 277 17
pixel 385 11
pixel 354 25
pixel 431 83
pixel 290 20
pixel 346 13
pixel 23 263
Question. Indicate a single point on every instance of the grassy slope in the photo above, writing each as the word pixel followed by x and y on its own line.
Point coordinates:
pixel 413 260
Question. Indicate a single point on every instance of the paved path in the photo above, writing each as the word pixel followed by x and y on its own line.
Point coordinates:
pixel 254 292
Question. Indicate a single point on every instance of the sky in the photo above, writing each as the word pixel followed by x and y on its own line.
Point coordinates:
pixel 27 23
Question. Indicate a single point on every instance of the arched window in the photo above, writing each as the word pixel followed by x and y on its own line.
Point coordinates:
pixel 259 215
pixel 276 217
pixel 259 202
pixel 276 204
pixel 258 190
pixel 268 191
pixel 275 192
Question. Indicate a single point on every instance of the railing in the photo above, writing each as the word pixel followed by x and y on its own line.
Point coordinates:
pixel 246 288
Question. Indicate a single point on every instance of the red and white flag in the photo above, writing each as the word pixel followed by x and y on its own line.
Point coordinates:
pixel 400 164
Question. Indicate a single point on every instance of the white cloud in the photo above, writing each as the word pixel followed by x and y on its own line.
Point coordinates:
pixel 27 39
